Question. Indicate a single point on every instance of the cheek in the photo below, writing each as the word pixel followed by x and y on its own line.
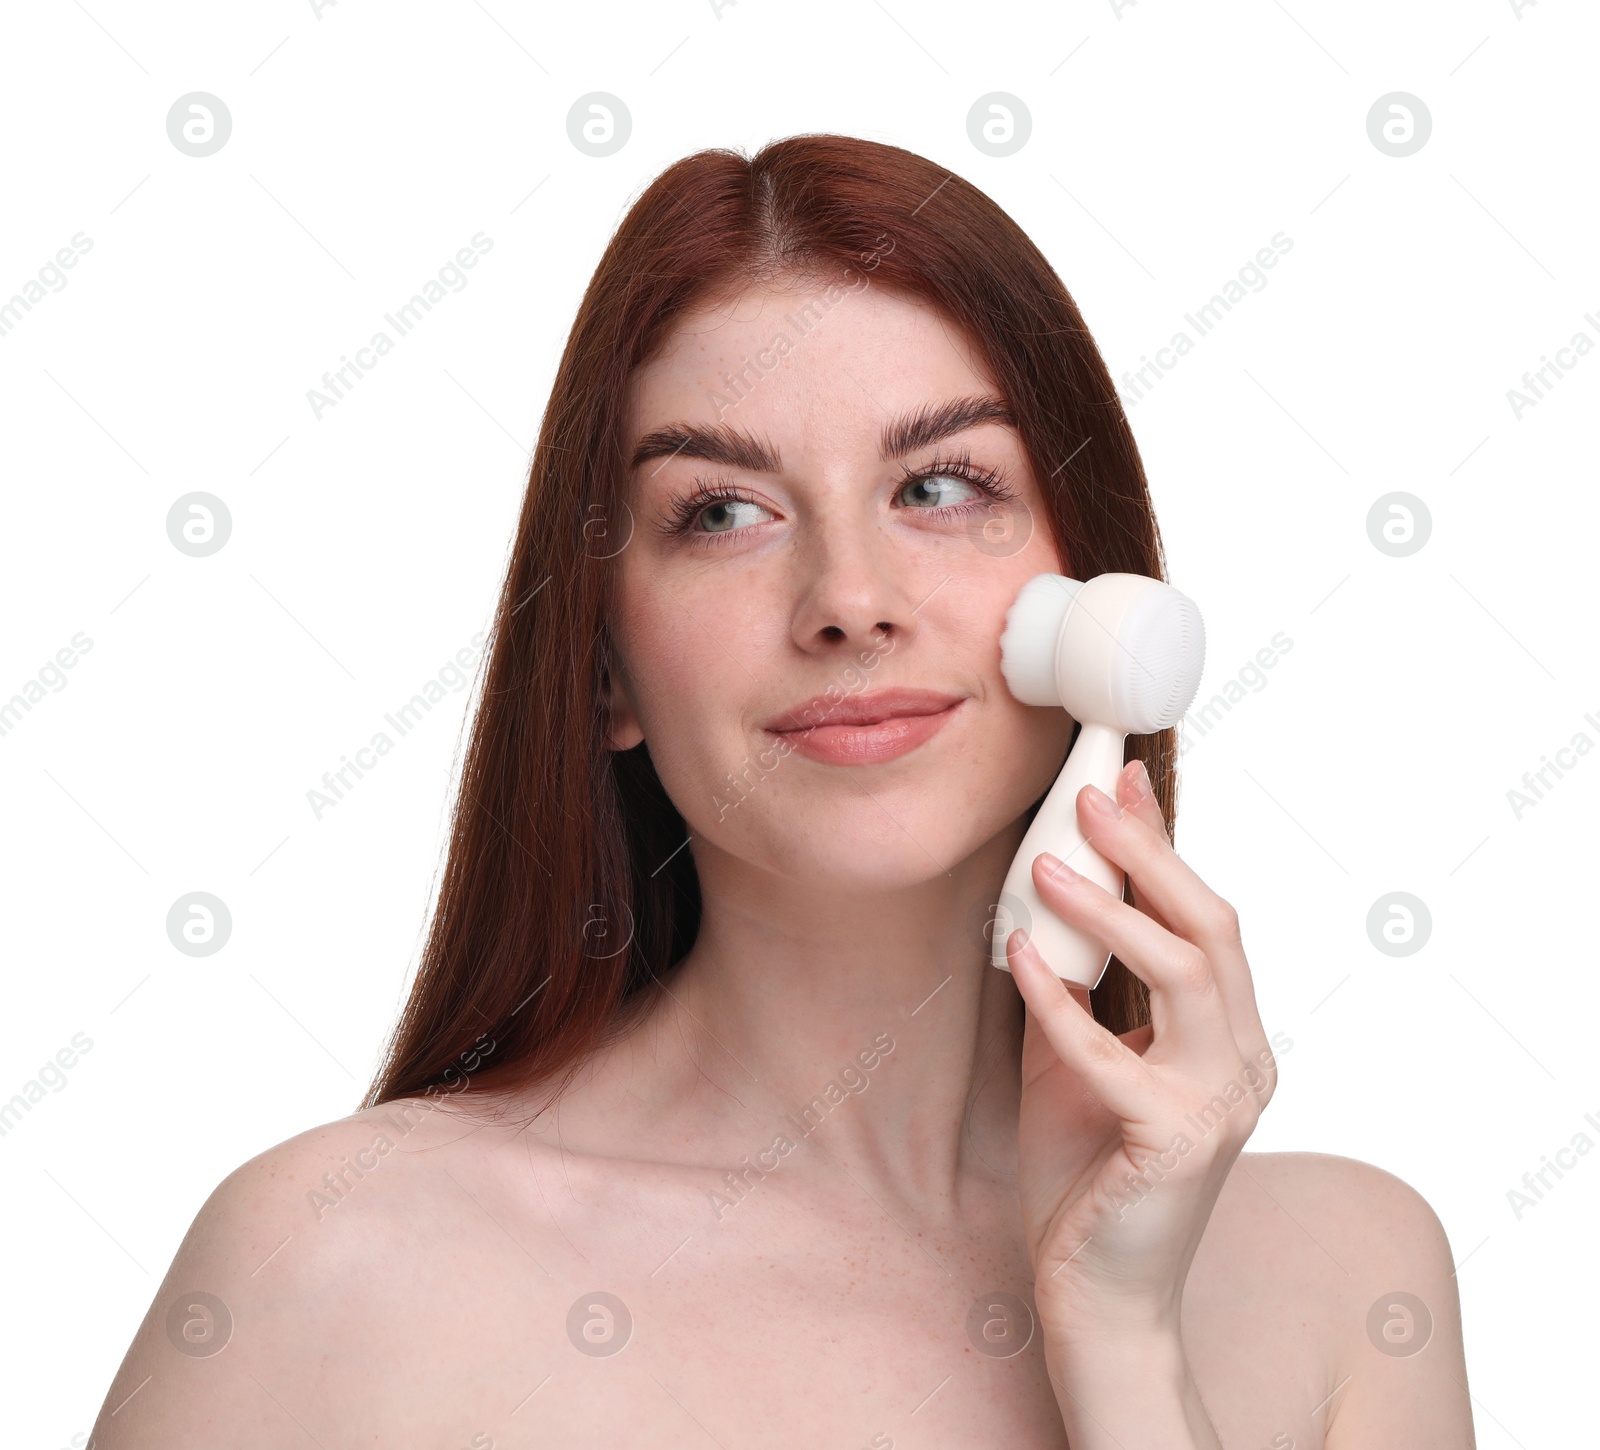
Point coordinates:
pixel 1023 746
pixel 692 685
pixel 1047 734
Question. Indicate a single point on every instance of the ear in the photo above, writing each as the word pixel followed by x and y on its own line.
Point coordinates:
pixel 623 730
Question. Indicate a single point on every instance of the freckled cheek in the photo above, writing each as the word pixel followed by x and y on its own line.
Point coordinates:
pixel 693 695
pixel 1042 737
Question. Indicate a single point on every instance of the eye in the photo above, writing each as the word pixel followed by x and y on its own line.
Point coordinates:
pixel 954 487
pixel 711 513
pixel 935 490
pixel 720 517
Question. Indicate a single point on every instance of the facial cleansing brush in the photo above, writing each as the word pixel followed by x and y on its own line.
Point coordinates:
pixel 1122 654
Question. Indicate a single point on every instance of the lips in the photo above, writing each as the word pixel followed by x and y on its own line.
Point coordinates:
pixel 863 709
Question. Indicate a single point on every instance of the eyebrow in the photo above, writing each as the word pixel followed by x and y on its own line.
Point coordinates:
pixel 735 448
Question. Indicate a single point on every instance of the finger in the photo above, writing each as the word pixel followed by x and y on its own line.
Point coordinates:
pixel 1189 908
pixel 1140 846
pixel 1134 795
pixel 1176 971
pixel 1116 1073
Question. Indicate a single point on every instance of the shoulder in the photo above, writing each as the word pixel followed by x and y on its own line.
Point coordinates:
pixel 354 1177
pixel 1344 1219
pixel 1367 1255
pixel 1354 1199
pixel 292 1262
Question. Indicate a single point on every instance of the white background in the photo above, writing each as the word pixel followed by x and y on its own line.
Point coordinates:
pixel 1169 143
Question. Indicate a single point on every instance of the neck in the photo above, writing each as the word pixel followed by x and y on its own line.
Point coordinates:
pixel 864 1023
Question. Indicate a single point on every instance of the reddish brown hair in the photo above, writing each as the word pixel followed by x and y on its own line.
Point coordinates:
pixel 555 916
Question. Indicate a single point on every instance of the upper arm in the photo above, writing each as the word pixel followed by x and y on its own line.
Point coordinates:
pixel 1401 1370
pixel 222 1354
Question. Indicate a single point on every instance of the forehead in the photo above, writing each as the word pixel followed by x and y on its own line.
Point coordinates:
pixel 807 360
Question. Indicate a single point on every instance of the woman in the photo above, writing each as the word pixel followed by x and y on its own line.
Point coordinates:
pixel 708 1121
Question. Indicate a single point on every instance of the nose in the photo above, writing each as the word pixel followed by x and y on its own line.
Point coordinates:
pixel 857 594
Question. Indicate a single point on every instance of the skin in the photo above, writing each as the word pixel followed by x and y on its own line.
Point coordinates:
pixel 829 1299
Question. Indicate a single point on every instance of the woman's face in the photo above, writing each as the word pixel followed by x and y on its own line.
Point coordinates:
pixel 810 533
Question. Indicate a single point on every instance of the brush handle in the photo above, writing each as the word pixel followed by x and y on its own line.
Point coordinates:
pixel 1095 759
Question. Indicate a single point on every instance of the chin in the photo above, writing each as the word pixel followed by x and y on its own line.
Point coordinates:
pixel 889 841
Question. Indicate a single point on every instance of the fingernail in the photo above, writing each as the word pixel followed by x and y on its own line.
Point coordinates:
pixel 1056 867
pixel 1101 804
pixel 1141 782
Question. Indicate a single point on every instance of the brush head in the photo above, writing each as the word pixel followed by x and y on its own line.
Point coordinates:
pixel 1028 643
pixel 1118 649
pixel 1162 643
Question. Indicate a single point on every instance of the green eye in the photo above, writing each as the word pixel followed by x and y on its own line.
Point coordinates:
pixel 718 518
pixel 953 488
pixel 933 490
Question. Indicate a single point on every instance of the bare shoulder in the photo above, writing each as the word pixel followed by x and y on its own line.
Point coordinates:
pixel 283 1293
pixel 1347 1226
pixel 1366 1254
pixel 1353 1199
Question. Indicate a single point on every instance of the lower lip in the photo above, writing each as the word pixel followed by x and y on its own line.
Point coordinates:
pixel 867 744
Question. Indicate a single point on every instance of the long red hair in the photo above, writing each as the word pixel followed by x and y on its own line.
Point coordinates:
pixel 555 916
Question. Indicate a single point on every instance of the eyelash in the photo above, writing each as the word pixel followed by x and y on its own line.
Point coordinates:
pixel 683 511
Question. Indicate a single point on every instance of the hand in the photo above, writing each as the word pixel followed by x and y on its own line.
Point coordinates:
pixel 1124 1142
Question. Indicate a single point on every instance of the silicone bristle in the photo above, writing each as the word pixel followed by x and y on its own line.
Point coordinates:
pixel 1164 643
pixel 1028 644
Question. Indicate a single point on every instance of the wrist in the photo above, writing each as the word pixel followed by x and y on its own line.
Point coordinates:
pixel 1127 1390
pixel 1152 1355
pixel 1087 1327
